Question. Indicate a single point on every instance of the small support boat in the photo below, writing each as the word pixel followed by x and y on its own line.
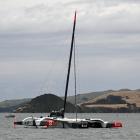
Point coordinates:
pixel 9 116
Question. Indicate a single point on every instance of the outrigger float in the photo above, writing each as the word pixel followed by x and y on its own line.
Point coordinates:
pixel 57 119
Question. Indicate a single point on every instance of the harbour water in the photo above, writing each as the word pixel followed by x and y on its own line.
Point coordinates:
pixel 130 130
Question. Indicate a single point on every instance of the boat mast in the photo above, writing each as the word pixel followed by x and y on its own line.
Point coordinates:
pixel 69 65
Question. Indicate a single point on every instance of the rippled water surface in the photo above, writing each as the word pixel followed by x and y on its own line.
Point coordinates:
pixel 130 130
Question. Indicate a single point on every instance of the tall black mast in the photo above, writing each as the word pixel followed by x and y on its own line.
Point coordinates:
pixel 69 65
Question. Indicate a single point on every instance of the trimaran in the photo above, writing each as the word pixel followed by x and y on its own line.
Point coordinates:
pixel 57 119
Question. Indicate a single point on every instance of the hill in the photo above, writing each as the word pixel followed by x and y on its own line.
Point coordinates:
pixel 10 105
pixel 46 103
pixel 123 100
pixel 117 101
pixel 81 98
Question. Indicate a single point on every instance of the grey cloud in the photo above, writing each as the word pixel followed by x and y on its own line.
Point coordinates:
pixel 104 2
pixel 35 39
pixel 45 16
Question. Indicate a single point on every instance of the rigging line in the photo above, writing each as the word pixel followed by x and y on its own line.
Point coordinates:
pixel 47 85
pixel 75 78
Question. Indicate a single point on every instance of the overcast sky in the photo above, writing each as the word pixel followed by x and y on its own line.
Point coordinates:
pixel 35 38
